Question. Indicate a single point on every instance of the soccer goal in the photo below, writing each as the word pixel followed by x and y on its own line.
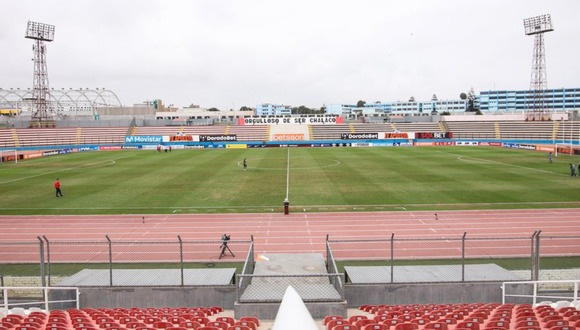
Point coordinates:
pixel 565 149
pixel 8 156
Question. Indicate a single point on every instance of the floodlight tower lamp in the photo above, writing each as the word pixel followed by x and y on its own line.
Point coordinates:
pixel 40 33
pixel 537 26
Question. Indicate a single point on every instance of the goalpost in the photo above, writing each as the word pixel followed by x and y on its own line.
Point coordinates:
pixel 569 148
pixel 10 155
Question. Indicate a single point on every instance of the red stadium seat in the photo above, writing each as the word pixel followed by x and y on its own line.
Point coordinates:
pixel 332 323
pixel 497 324
pixel 448 321
pixel 556 322
pixel 135 325
pixel 407 326
pixel 436 326
pixel 467 325
pixel 218 324
pixel 361 323
pixel 355 318
pixel 227 319
pixel 251 319
pixel 239 327
pixel 474 319
pixel 190 324
pixel 420 322
pixel 176 319
pixel 162 325
pixel 201 320
pixel 328 318
pixel 248 324
pixel 562 327
pixel 345 327
pixel 55 327
pixel 151 319
pixel 375 326
pixel 382 318
pixel 392 322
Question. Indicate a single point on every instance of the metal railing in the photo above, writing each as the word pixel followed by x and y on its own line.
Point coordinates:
pixel 457 257
pixel 43 297
pixel 49 261
pixel 532 291
pixel 56 257
pixel 331 268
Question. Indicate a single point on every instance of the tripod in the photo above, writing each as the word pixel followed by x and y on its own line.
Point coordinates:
pixel 225 247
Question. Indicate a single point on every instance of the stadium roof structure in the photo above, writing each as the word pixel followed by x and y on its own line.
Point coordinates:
pixel 61 99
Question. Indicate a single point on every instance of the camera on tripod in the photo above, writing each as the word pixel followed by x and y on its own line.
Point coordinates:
pixel 224 246
pixel 225 239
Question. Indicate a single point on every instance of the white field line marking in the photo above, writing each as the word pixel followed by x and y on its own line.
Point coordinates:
pixel 482 160
pixel 288 174
pixel 112 162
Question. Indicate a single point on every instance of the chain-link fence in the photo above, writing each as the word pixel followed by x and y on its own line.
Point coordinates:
pixel 461 258
pixel 171 263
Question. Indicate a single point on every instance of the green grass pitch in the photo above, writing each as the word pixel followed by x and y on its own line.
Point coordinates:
pixel 316 179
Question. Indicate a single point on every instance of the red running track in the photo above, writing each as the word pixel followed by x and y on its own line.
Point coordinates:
pixel 306 232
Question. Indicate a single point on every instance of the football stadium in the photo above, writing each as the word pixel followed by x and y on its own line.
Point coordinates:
pixel 381 217
pixel 445 214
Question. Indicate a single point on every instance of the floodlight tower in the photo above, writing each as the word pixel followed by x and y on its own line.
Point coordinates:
pixel 537 26
pixel 40 32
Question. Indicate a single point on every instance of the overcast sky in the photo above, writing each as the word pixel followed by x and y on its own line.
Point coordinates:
pixel 233 53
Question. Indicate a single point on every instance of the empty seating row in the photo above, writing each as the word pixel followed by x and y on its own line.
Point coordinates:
pixel 493 316
pixel 194 318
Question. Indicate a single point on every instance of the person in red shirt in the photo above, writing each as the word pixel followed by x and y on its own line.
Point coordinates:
pixel 57 187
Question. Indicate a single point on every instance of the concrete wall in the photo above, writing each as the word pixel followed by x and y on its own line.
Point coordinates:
pixel 356 295
pixel 436 293
pixel 268 311
pixel 127 297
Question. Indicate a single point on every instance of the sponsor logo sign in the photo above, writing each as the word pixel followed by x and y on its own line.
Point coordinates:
pixel 404 135
pixel 180 138
pixel 434 135
pixel 288 137
pixel 359 136
pixel 143 139
pixel 218 138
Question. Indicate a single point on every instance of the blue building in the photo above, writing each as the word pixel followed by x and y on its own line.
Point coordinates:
pixel 554 100
pixel 398 108
pixel 267 109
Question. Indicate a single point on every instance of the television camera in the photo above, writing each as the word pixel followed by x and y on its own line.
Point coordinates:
pixel 225 238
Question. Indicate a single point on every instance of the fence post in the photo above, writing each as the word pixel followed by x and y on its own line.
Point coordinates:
pixel 463 257
pixel 47 258
pixel 537 256
pixel 533 256
pixel 327 254
pixel 181 258
pixel 110 261
pixel 41 247
pixel 392 257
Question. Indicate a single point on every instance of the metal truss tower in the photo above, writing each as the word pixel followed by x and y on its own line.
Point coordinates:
pixel 537 26
pixel 42 113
